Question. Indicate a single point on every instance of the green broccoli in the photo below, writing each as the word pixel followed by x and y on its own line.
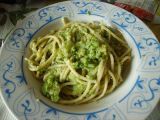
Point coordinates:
pixel 78 89
pixel 88 53
pixel 51 89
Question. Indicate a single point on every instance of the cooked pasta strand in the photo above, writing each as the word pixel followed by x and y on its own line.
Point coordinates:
pixel 77 64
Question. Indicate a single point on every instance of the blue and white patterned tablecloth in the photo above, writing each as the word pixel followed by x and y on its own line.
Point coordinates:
pixel 4 112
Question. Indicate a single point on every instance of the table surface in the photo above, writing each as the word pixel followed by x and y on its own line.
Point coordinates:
pixel 155 28
pixel 155 115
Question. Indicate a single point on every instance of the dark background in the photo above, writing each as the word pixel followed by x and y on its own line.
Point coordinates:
pixel 13 1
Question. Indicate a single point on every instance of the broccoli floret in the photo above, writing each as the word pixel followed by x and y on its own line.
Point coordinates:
pixel 88 53
pixel 51 89
pixel 78 89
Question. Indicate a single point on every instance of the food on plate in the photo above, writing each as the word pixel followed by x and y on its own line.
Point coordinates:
pixel 80 62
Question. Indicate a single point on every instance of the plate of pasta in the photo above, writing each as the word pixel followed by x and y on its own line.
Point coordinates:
pixel 82 60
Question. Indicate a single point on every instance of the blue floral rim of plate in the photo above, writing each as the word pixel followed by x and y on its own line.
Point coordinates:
pixel 136 104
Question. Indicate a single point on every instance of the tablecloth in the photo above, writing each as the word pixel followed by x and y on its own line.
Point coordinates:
pixel 5 29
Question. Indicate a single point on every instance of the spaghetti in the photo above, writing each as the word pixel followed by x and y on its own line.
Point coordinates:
pixel 79 63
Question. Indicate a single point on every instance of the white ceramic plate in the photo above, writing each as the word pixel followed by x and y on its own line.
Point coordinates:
pixel 134 99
